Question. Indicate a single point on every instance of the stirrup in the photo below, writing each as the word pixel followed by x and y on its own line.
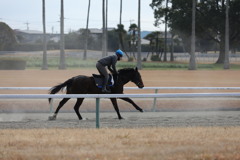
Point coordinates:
pixel 104 90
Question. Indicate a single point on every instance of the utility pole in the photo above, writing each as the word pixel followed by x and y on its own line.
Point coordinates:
pixel 131 20
pixel 27 24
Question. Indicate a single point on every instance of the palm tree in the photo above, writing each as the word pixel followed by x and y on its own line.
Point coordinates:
pixel 121 36
pixel 192 63
pixel 121 31
pixel 120 17
pixel 62 43
pixel 44 64
pixel 106 29
pixel 139 60
pixel 104 48
pixel 133 29
pixel 172 47
pixel 155 43
pixel 226 58
pixel 86 33
pixel 165 37
pixel 120 27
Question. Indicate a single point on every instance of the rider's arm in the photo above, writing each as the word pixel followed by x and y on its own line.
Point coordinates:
pixel 112 68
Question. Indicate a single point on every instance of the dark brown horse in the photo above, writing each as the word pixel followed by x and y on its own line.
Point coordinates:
pixel 86 85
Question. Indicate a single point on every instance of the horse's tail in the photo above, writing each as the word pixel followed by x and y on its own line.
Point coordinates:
pixel 59 87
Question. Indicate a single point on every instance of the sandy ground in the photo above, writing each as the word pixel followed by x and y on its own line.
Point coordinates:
pixel 131 120
pixel 164 78
pixel 172 112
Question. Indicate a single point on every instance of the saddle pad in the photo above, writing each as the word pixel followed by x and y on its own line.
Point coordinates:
pixel 99 80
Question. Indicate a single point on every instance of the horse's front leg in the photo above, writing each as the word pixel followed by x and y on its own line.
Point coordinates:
pixel 115 105
pixel 134 104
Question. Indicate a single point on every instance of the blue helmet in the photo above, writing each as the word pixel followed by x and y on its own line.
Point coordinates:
pixel 119 52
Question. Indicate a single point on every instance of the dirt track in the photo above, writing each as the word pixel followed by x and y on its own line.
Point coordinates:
pixel 201 78
pixel 132 120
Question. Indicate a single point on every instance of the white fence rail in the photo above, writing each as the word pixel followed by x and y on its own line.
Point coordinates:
pixel 159 95
pixel 134 88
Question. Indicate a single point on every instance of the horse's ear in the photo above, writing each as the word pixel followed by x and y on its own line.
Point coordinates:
pixel 136 69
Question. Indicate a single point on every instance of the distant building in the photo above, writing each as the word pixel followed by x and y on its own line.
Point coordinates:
pixel 33 36
pixel 145 42
pixel 96 33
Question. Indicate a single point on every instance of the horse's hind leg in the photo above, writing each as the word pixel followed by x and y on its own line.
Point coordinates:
pixel 77 106
pixel 134 104
pixel 115 105
pixel 63 101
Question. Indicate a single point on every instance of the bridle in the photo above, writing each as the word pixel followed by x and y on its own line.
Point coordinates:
pixel 139 83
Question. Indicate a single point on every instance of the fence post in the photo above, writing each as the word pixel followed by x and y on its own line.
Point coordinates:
pixel 51 106
pixel 97 112
pixel 154 102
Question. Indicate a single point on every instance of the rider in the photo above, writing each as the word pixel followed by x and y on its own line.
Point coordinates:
pixel 110 62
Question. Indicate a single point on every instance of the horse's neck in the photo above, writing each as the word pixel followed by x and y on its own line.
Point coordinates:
pixel 124 79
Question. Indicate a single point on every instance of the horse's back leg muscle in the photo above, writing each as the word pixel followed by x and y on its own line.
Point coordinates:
pixel 61 103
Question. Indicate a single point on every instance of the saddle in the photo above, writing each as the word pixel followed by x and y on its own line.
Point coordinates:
pixel 99 80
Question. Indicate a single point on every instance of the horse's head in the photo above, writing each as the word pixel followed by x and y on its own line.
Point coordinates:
pixel 131 74
pixel 137 79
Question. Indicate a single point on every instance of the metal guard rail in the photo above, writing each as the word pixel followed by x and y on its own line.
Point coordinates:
pixel 134 88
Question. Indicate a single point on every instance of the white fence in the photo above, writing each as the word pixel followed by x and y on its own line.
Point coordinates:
pixel 134 88
pixel 99 96
pixel 156 89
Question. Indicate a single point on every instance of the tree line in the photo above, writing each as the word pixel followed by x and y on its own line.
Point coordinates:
pixel 216 22
pixel 62 64
pixel 199 24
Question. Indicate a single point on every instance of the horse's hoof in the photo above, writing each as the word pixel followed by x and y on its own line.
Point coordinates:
pixel 51 118
pixel 141 110
pixel 83 119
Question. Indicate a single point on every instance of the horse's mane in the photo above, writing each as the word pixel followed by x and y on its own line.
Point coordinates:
pixel 125 70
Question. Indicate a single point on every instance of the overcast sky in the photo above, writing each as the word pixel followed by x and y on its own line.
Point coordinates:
pixel 17 13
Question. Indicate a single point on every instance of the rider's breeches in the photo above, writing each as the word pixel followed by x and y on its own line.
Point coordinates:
pixel 103 71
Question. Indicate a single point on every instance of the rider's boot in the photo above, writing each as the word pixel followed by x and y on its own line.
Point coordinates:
pixel 104 88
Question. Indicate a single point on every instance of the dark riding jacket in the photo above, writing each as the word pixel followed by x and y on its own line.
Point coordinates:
pixel 110 62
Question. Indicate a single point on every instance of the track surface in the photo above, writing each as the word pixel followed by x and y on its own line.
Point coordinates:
pixel 132 120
